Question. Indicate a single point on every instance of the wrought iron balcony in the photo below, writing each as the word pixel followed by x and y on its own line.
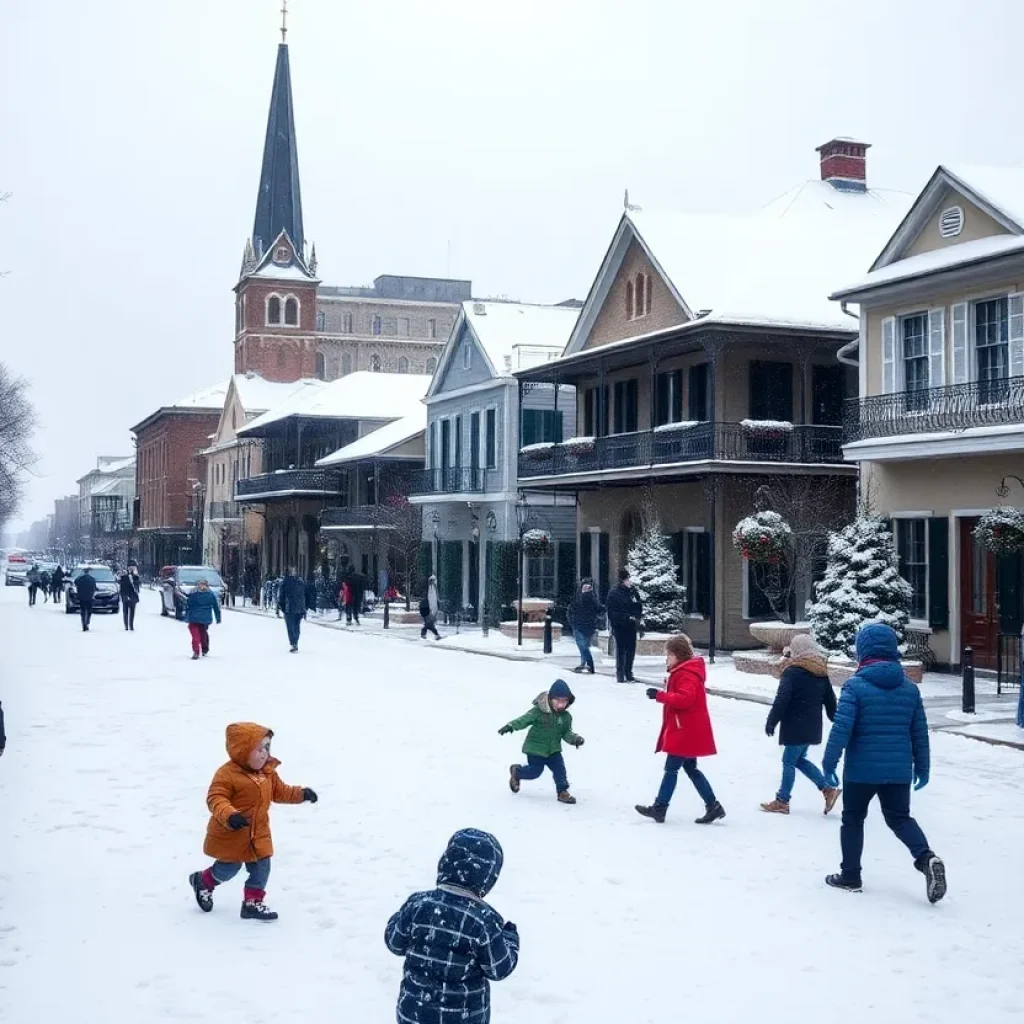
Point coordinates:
pixel 358 517
pixel 935 410
pixel 703 442
pixel 461 480
pixel 290 483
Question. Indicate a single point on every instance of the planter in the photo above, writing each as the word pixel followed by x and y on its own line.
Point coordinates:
pixel 757 663
pixel 531 630
pixel 649 645
pixel 537 543
pixel 577 446
pixel 534 609
pixel 540 450
pixel 840 669
pixel 776 636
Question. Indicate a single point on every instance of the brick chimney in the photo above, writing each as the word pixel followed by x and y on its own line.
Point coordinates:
pixel 844 164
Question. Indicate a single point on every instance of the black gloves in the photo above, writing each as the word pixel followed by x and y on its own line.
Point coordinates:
pixel 577 741
pixel 769 730
pixel 309 796
pixel 508 926
pixel 652 693
pixel 237 821
pixel 504 729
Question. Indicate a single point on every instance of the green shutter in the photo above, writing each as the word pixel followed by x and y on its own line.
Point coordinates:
pixel 585 553
pixel 938 572
pixel 662 409
pixel 1008 577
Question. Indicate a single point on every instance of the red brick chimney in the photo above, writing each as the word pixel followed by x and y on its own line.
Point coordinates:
pixel 844 164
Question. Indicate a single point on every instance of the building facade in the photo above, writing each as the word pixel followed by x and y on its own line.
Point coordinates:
pixel 106 504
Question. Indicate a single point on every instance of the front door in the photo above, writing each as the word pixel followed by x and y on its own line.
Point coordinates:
pixel 979 616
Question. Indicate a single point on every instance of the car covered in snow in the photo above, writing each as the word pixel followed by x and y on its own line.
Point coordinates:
pixel 108 596
pixel 178 581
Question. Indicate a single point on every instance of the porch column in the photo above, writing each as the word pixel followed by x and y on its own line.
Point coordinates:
pixel 652 402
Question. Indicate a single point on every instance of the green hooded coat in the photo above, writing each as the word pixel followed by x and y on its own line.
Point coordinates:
pixel 548 728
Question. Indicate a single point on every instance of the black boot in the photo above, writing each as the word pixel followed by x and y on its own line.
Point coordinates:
pixel 844 883
pixel 934 872
pixel 656 812
pixel 513 778
pixel 711 813
pixel 579 668
pixel 257 910
pixel 590 669
pixel 204 896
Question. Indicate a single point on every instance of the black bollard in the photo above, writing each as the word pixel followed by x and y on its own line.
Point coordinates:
pixel 968 681
pixel 387 613
pixel 547 632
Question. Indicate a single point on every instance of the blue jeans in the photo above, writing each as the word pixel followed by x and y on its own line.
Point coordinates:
pixel 696 776
pixel 535 765
pixel 259 872
pixel 895 801
pixel 293 623
pixel 794 759
pixel 583 643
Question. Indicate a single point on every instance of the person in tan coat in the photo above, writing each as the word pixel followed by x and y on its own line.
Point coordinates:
pixel 238 833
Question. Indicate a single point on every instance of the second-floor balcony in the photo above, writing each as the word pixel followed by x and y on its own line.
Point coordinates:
pixel 685 443
pixel 290 483
pixel 453 480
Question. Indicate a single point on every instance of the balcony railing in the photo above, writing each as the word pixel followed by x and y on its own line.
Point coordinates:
pixel 702 442
pixel 358 517
pixel 935 410
pixel 460 480
pixel 290 482
pixel 224 510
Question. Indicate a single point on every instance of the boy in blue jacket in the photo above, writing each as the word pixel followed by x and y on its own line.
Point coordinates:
pixel 881 724
pixel 200 609
pixel 453 941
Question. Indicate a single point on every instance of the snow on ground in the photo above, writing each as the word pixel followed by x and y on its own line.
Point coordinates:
pixel 113 738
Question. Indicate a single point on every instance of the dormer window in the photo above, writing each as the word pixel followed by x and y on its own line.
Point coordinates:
pixel 291 311
pixel 282 255
pixel 273 310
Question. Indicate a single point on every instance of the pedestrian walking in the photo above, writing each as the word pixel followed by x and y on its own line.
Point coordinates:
pixel 804 689
pixel 44 584
pixel 85 588
pixel 685 730
pixel 57 579
pixel 429 607
pixel 32 582
pixel 291 602
pixel 238 832
pixel 201 607
pixel 625 617
pixel 3 734
pixel 357 584
pixel 583 615
pixel 129 587
pixel 453 942
pixel 882 726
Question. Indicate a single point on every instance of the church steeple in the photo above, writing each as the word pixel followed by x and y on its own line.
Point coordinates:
pixel 279 203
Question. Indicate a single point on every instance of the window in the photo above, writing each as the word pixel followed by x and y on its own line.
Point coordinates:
pixel 403 365
pixel 914 331
pixel 321 320
pixel 291 311
pixel 592 411
pixel 446 437
pixel 540 576
pixel 467 355
pixel 403 327
pixel 321 366
pixel 696 571
pixel 281 359
pixel 433 446
pixel 641 307
pixel 992 348
pixel 626 404
pixel 912 547
pixel 375 326
pixel 474 440
pixel 629 300
pixel 669 397
pixel 491 440
pixel 697 392
pixel 431 328
pixel 541 425
pixel 346 323
pixel 346 364
pixel 458 442
pixel 431 364
pixel 273 310
pixel 375 363
pixel 649 295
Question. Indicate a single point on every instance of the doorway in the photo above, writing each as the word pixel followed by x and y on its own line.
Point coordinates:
pixel 979 616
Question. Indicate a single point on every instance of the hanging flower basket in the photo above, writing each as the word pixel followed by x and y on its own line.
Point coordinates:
pixel 1001 530
pixel 537 543
pixel 762 537
pixel 577 446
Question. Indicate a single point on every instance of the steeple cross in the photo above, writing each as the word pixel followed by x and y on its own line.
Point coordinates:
pixel 284 21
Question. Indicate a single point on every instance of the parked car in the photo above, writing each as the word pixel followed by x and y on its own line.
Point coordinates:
pixel 17 566
pixel 178 581
pixel 108 597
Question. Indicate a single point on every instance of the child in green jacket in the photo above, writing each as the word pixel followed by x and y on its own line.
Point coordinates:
pixel 549 723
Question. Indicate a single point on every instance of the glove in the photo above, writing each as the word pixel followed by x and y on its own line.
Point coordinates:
pixel 504 729
pixel 831 780
pixel 578 741
pixel 920 781
pixel 652 693
pixel 508 926
pixel 769 730
pixel 309 796
pixel 237 821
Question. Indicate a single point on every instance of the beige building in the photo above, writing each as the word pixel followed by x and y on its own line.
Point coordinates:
pixel 940 420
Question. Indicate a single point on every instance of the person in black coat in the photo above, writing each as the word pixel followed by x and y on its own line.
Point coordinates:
pixel 583 615
pixel 357 584
pixel 85 588
pixel 804 689
pixel 625 617
pixel 3 735
pixel 128 587
pixel 291 602
pixel 57 579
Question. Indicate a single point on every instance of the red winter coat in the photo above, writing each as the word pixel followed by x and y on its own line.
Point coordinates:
pixel 686 724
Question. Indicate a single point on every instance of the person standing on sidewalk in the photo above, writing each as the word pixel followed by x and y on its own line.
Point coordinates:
pixel 685 730
pixel 881 724
pixel 201 608
pixel 428 610
pixel 85 588
pixel 32 582
pixel 128 587
pixel 291 602
pixel 625 616
pixel 803 691
pixel 583 615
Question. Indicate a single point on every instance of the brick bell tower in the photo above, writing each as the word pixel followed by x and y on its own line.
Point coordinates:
pixel 275 297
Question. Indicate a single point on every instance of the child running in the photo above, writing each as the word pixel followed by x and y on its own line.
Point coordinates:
pixel 549 723
pixel 238 833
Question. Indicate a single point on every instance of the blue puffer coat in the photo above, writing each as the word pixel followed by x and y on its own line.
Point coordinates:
pixel 880 721
pixel 453 941
pixel 202 606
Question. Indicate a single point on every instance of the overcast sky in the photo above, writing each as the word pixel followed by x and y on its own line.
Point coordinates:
pixel 502 134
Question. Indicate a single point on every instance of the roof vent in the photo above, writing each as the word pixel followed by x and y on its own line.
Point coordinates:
pixel 951 223
pixel 479 309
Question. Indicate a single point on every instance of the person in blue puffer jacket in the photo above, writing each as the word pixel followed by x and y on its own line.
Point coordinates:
pixel 881 724
pixel 453 941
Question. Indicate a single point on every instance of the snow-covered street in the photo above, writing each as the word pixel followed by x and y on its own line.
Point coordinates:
pixel 113 738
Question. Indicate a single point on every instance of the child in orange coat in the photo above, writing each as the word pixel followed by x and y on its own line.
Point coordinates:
pixel 238 833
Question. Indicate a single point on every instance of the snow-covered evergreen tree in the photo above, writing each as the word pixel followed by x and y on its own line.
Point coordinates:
pixel 862 584
pixel 654 574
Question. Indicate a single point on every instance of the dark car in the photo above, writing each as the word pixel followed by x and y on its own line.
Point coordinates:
pixel 178 581
pixel 108 597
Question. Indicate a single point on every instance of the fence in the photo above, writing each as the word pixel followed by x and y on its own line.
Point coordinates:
pixel 1008 662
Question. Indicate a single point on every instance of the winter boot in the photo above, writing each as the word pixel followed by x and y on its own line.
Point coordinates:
pixel 579 669
pixel 253 907
pixel 934 872
pixel 846 884
pixel 565 797
pixel 294 648
pixel 590 669
pixel 513 778
pixel 656 812
pixel 195 655
pixel 204 896
pixel 711 813
pixel 776 807
pixel 831 795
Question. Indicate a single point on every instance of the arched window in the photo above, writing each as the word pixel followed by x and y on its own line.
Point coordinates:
pixel 374 364
pixel 346 364
pixel 649 293
pixel 291 311
pixel 321 320
pixel 629 300
pixel 321 366
pixel 641 304
pixel 273 310
pixel 281 359
pixel 403 365
pixel 431 364
pixel 375 325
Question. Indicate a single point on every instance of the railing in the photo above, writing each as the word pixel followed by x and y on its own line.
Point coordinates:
pixel 224 510
pixel 460 480
pixel 357 515
pixel 1008 662
pixel 290 481
pixel 935 410
pixel 702 442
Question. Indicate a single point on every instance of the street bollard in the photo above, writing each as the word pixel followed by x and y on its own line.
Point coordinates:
pixel 387 614
pixel 547 632
pixel 968 681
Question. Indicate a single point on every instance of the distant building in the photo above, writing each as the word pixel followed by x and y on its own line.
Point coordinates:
pixel 66 530
pixel 106 498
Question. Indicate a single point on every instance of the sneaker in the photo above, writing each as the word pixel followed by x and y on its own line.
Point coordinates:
pixel 711 813
pixel 776 807
pixel 294 648
pixel 579 668
pixel 656 812
pixel 513 778
pixel 565 797
pixel 204 896
pixel 831 796
pixel 846 884
pixel 257 910
pixel 590 669
pixel 934 872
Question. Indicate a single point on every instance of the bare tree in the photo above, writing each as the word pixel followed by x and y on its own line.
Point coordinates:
pixel 17 422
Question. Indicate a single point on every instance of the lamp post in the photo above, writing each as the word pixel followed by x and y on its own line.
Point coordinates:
pixel 523 513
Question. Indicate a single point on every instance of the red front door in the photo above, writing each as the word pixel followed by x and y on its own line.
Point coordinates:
pixel 979 616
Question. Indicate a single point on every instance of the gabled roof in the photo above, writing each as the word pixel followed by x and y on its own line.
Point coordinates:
pixel 382 441
pixel 272 267
pixel 256 394
pixel 206 400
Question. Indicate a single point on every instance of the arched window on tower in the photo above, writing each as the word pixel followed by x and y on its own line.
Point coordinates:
pixel 321 366
pixel 403 365
pixel 374 364
pixel 291 311
pixel 629 300
pixel 273 310
pixel 641 302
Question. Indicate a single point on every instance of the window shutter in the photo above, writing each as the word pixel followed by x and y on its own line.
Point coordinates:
pixel 701 602
pixel 604 568
pixel 662 414
pixel 938 572
pixel 936 348
pixel 677 396
pixel 1016 305
pixel 1008 573
pixel 961 363
pixel 889 355
pixel 585 554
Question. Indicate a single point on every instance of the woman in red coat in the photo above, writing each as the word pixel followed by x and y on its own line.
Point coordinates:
pixel 685 730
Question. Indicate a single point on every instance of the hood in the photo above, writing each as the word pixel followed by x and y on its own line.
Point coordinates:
pixel 886 675
pixel 559 688
pixel 242 738
pixel 472 861
pixel 877 641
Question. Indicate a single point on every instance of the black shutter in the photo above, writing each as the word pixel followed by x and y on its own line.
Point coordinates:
pixel 698 388
pixel 1008 575
pixel 529 428
pixel 604 564
pixel 938 572
pixel 678 543
pixel 590 412
pixel 585 553
pixel 662 411
pixel 701 602
pixel 606 412
pixel 677 395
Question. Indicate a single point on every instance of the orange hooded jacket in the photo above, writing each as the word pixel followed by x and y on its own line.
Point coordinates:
pixel 237 787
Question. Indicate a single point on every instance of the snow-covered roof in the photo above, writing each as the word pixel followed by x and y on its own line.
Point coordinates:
pixel 271 271
pixel 501 327
pixel 114 465
pixel 207 398
pixel 1001 187
pixel 359 396
pixel 257 394
pixel 382 440
pixel 114 485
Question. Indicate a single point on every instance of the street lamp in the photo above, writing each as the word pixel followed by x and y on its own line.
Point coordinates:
pixel 523 516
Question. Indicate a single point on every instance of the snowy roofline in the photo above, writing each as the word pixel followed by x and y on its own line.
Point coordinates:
pixel 380 441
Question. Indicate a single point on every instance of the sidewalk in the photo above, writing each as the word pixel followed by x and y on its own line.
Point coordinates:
pixel 994 722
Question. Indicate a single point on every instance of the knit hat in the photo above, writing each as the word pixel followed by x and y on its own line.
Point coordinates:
pixel 803 646
pixel 560 688
pixel 879 641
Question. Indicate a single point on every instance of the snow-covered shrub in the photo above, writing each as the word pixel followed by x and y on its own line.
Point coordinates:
pixel 1001 530
pixel 653 571
pixel 579 445
pixel 762 537
pixel 537 451
pixel 767 428
pixel 666 428
pixel 536 542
